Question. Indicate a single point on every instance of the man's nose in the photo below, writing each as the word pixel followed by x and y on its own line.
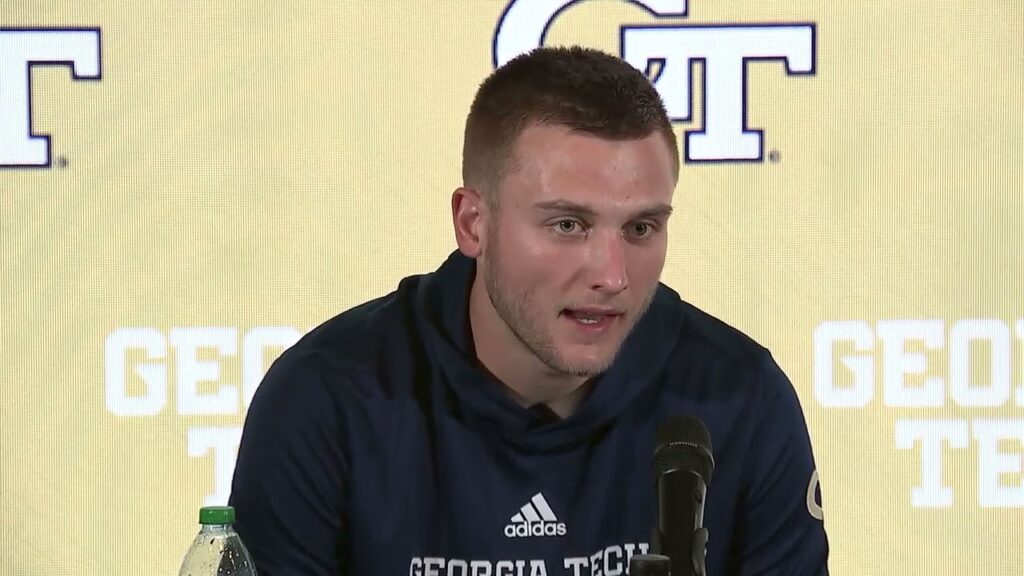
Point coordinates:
pixel 608 263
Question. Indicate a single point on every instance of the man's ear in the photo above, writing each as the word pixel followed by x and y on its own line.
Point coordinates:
pixel 468 217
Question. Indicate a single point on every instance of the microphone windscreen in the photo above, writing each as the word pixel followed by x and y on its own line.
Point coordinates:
pixel 684 443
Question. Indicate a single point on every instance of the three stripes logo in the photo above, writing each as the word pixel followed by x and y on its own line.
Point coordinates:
pixel 535 518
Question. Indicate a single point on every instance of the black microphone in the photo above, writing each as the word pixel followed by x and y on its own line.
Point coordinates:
pixel 682 465
pixel 649 565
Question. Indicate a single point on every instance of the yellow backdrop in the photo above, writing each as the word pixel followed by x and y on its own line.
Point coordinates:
pixel 220 179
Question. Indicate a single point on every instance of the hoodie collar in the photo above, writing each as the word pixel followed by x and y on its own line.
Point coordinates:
pixel 442 310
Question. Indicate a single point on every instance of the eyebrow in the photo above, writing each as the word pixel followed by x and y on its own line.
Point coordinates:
pixel 656 211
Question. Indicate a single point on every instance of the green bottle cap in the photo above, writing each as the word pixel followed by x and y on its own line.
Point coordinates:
pixel 217 515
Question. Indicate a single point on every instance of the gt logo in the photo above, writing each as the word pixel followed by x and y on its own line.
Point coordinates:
pixel 725 50
pixel 814 497
pixel 20 50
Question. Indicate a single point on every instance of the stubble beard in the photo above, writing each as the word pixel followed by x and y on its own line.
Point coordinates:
pixel 517 310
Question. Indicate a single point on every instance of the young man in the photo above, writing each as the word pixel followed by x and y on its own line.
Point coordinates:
pixel 498 416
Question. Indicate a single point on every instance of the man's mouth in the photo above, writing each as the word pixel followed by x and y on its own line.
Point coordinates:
pixel 592 317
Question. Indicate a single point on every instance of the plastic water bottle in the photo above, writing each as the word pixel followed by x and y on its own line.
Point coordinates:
pixel 217 549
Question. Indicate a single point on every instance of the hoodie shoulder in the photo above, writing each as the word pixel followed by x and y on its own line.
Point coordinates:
pixel 722 361
pixel 365 346
pixel 715 337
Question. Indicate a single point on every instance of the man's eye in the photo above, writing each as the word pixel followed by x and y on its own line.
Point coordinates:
pixel 568 226
pixel 642 229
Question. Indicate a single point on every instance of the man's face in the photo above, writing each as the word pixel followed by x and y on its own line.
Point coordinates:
pixel 574 253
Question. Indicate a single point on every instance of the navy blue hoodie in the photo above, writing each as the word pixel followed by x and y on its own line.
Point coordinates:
pixel 375 445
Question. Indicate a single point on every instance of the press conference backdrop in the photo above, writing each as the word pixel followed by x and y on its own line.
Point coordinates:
pixel 189 187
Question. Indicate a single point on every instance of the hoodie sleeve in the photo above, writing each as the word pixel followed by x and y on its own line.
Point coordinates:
pixel 780 526
pixel 290 476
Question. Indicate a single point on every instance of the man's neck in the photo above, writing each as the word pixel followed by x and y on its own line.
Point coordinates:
pixel 501 353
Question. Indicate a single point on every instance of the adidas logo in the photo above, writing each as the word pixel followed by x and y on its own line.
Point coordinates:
pixel 535 518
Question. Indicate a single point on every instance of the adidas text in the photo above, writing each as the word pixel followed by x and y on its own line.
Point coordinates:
pixel 535 518
pixel 527 529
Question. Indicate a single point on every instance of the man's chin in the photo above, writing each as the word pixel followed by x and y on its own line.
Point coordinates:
pixel 586 365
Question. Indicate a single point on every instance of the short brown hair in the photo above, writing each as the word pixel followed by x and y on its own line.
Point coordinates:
pixel 581 88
